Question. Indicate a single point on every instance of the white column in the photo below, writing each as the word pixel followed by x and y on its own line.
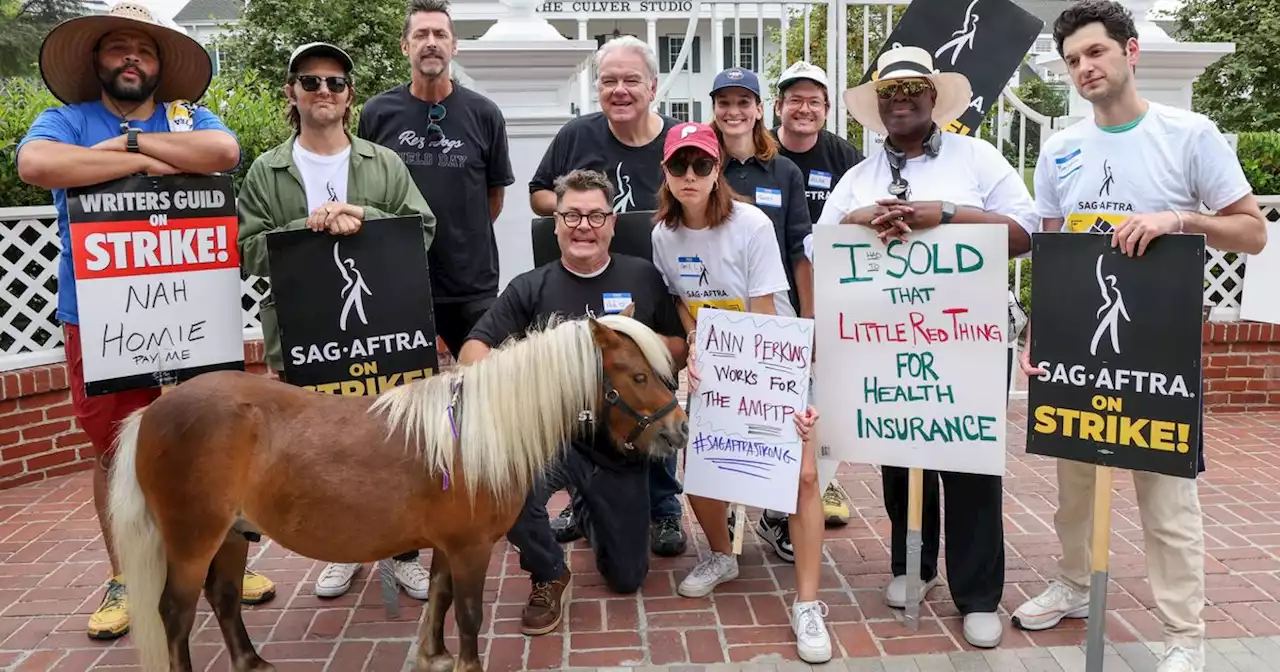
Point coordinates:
pixel 526 67
pixel 584 77
pixel 652 26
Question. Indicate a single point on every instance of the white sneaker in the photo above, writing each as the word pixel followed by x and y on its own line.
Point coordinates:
pixel 712 571
pixel 1180 659
pixel 895 595
pixel 983 629
pixel 1047 609
pixel 813 642
pixel 413 577
pixel 335 579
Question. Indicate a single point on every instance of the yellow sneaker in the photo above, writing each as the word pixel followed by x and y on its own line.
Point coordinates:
pixel 111 620
pixel 835 505
pixel 257 589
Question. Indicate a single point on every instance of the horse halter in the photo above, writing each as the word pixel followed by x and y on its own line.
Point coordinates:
pixel 613 399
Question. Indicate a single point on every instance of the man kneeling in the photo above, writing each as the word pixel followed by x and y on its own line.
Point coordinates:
pixel 612 502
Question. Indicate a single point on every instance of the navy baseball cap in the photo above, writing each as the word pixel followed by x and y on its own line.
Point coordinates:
pixel 739 77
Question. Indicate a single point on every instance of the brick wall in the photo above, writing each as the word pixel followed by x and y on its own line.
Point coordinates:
pixel 39 436
pixel 1241 367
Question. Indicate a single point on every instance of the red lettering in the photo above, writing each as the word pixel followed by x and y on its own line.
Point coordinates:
pixel 121 249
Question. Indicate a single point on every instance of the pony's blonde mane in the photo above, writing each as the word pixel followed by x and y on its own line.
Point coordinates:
pixel 518 406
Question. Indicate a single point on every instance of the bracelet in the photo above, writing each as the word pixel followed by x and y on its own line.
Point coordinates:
pixel 689 338
pixel 1181 224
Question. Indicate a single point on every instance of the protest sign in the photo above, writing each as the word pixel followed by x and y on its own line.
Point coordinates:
pixel 911 339
pixel 1120 339
pixel 355 311
pixel 743 444
pixel 984 40
pixel 157 280
pixel 1259 301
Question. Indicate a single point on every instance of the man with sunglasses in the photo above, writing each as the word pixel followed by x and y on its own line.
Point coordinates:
pixel 454 141
pixel 324 179
pixel 611 502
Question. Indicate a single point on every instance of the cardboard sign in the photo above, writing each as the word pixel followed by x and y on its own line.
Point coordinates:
pixel 1259 302
pixel 743 444
pixel 355 311
pixel 1120 339
pixel 984 40
pixel 157 280
pixel 912 343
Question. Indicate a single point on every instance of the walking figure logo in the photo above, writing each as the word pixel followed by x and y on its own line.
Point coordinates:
pixel 333 195
pixel 1108 181
pixel 352 289
pixel 961 38
pixel 1113 308
pixel 625 200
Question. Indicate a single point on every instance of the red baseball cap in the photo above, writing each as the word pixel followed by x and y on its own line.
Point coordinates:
pixel 691 134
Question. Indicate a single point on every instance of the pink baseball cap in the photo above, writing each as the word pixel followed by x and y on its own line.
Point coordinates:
pixel 691 134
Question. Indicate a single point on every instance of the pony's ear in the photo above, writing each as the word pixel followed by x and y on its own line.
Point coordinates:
pixel 604 336
pixel 630 310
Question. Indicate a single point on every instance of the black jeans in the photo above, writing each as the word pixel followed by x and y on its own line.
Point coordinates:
pixel 610 507
pixel 454 321
pixel 975 531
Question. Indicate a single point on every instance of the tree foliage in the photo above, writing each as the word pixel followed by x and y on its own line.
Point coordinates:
pixel 23 26
pixel 369 30
pixel 1241 91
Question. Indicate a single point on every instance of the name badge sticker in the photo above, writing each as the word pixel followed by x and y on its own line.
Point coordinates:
pixel 819 179
pixel 769 197
pixel 690 267
pixel 616 302
pixel 1066 165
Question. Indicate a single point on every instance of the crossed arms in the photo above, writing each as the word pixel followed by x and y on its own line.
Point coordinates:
pixel 57 165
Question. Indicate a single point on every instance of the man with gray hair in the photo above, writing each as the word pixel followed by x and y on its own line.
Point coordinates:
pixel 612 487
pixel 624 142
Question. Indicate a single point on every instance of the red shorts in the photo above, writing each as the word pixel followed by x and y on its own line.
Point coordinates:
pixel 100 415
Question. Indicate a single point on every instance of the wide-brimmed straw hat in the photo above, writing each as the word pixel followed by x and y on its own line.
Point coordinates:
pixel 954 90
pixel 67 61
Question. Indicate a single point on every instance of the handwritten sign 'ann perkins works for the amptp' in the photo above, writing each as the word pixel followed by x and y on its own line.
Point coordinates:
pixel 743 444
pixel 157 280
pixel 914 336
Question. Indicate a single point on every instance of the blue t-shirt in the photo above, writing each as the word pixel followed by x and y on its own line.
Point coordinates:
pixel 87 124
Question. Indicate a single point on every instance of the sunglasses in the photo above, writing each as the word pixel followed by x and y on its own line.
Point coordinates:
pixel 311 83
pixel 702 166
pixel 912 87
pixel 435 115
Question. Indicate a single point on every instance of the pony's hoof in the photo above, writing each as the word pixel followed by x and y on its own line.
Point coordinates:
pixel 468 666
pixel 439 663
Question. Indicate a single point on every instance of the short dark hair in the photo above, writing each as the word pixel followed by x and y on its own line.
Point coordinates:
pixel 583 180
pixel 1113 16
pixel 416 6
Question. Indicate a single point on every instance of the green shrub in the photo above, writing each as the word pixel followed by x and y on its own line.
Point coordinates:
pixel 21 101
pixel 1260 156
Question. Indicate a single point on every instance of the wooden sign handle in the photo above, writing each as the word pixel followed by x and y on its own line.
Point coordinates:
pixel 915 544
pixel 1095 641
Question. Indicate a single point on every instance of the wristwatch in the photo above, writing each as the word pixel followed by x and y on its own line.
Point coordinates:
pixel 131 140
pixel 948 211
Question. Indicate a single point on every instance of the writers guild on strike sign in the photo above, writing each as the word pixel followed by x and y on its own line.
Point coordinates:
pixel 1120 341
pixel 157 280
pixel 354 311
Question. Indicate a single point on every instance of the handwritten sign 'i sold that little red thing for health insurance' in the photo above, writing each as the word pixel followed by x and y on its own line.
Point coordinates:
pixel 913 341
pixel 743 444
pixel 157 280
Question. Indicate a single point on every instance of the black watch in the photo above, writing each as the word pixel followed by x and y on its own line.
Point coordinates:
pixel 131 140
pixel 948 211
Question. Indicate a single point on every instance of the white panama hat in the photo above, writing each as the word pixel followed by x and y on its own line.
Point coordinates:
pixel 954 90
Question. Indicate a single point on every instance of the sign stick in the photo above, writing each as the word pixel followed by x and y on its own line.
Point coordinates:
pixel 739 526
pixel 390 588
pixel 915 513
pixel 1097 633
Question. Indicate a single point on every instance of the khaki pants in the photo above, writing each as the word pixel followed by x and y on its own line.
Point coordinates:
pixel 1173 540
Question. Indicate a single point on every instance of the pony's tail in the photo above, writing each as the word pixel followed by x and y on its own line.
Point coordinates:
pixel 140 549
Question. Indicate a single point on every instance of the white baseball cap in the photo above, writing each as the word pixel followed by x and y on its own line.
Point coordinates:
pixel 802 70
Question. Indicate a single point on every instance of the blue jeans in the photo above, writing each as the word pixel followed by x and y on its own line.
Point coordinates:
pixel 664 490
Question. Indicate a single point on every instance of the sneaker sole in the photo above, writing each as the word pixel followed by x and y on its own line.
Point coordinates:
pixel 564 602
pixel 1080 612
pixel 106 635
pixel 260 599
pixel 814 656
pixel 923 594
pixel 837 521
pixel 703 592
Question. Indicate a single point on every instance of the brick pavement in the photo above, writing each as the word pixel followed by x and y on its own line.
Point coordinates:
pixel 52 566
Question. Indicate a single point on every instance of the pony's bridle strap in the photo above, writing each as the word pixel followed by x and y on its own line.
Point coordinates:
pixel 613 399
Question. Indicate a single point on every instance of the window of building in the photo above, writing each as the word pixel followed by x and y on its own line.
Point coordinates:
pixel 669 47
pixel 683 110
pixel 747 55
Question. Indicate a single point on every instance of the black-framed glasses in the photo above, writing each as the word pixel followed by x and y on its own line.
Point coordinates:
pixel 435 115
pixel 912 87
pixel 702 166
pixel 311 83
pixel 595 219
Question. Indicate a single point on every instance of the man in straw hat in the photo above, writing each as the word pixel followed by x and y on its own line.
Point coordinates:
pixel 129 85
pixel 924 178
pixel 1155 167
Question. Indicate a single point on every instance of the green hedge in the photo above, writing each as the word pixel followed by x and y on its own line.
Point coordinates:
pixel 1260 156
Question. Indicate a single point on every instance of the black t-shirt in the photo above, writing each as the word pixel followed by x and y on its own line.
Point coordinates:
pixel 822 166
pixel 777 188
pixel 587 142
pixel 454 174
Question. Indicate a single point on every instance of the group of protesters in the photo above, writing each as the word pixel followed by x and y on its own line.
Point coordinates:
pixel 734 204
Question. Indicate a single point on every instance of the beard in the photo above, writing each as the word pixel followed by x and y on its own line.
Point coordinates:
pixel 135 93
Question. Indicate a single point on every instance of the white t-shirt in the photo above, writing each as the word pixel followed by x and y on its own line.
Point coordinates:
pixel 1173 159
pixel 724 267
pixel 324 177
pixel 967 171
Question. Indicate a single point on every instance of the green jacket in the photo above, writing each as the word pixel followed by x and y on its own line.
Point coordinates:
pixel 273 198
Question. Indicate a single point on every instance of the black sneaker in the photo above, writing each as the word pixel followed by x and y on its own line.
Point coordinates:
pixel 563 527
pixel 777 533
pixel 666 537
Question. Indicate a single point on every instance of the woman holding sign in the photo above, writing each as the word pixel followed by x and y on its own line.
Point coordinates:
pixel 925 178
pixel 715 250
